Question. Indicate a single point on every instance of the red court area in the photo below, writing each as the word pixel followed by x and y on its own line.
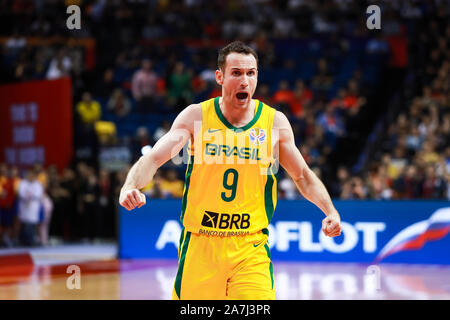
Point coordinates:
pixel 41 275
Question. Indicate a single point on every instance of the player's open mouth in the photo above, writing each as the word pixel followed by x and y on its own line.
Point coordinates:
pixel 242 96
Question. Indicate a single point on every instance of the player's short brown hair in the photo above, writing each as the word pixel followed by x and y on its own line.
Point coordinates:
pixel 236 46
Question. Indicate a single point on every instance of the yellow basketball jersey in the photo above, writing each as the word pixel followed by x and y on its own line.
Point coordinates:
pixel 231 182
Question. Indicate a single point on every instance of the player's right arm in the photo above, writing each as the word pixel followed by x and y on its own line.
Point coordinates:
pixel 168 146
pixel 304 178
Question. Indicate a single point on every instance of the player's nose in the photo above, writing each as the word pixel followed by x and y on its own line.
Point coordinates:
pixel 244 82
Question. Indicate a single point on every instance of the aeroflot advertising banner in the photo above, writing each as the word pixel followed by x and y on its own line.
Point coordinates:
pixel 372 232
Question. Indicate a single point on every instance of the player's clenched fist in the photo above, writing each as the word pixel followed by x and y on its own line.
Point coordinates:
pixel 132 198
pixel 331 225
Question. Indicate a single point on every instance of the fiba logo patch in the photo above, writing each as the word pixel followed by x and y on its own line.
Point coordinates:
pixel 210 219
pixel 257 136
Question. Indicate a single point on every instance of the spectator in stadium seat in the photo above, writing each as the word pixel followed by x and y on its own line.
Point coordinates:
pixel 63 194
pixel 287 188
pixel 54 182
pixel 45 219
pixel 283 97
pixel 15 177
pixel 342 176
pixel 358 188
pixel 445 160
pixel 444 130
pixel 78 222
pixel 354 189
pixel 402 125
pixel 179 87
pixel 427 125
pixel 428 152
pixel 339 100
pixel 399 159
pixel 60 66
pixel 332 125
pixel 41 174
pixel 346 191
pixel 89 110
pixel 106 85
pixel 141 139
pixel 30 199
pixel 117 182
pixel 433 185
pixel 377 45
pixel 215 92
pixel 303 97
pixel 172 186
pixel 89 211
pixel 413 139
pixel 353 99
pixel 144 87
pixel 7 198
pixel 14 44
pixel 391 170
pixel 153 29
pixel 119 104
pixel 378 182
pixel 200 88
pixel 22 69
pixel 209 73
pixel 323 80
pixel 106 201
pixel 263 94
pixel 154 189
pixel 408 184
pixel 161 130
pixel 391 137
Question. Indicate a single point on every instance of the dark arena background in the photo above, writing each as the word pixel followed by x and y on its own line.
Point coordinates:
pixel 89 86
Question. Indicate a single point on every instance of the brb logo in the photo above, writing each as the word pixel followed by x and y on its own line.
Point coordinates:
pixel 225 220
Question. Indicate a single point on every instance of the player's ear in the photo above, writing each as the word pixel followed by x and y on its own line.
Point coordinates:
pixel 219 77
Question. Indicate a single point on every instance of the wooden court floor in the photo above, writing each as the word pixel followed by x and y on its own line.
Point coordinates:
pixel 114 279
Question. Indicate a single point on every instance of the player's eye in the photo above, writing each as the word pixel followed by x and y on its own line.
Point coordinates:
pixel 251 73
pixel 235 73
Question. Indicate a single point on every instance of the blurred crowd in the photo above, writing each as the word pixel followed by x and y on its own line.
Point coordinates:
pixel 135 64
pixel 412 155
pixel 44 205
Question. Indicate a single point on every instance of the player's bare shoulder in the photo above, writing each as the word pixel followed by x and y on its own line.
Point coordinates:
pixel 190 118
pixel 281 129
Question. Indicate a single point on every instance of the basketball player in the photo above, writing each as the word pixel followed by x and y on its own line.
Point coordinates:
pixel 230 192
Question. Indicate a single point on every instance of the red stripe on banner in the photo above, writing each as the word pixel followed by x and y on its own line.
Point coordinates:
pixel 419 242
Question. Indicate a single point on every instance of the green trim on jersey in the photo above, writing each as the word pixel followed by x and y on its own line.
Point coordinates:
pixel 186 189
pixel 268 197
pixel 181 243
pixel 266 246
pixel 181 265
pixel 229 125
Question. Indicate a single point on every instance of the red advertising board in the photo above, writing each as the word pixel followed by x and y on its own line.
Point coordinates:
pixel 36 123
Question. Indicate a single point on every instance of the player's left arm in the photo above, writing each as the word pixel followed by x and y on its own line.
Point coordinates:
pixel 304 178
